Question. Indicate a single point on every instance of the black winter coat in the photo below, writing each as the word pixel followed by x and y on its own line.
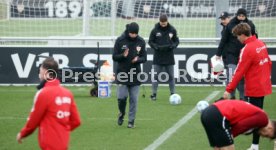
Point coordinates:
pixel 137 47
pixel 229 45
pixel 163 41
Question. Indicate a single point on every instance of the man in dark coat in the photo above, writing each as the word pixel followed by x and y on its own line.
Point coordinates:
pixel 163 40
pixel 231 47
pixel 129 53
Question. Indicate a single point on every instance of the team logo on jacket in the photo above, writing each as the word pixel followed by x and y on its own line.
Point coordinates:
pixel 124 47
pixel 138 49
pixel 58 101
pixel 170 35
pixel 158 34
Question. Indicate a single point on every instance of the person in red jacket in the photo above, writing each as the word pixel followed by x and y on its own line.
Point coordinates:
pixel 255 66
pixel 227 119
pixel 54 111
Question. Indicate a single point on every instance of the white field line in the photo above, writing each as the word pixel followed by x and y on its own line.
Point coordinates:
pixel 12 118
pixel 167 134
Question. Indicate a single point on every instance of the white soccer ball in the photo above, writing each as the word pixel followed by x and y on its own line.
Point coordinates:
pixel 201 105
pixel 175 99
pixel 217 65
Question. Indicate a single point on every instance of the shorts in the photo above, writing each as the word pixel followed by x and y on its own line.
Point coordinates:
pixel 256 101
pixel 217 127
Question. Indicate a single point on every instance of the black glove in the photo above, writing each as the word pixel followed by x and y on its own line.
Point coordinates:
pixel 164 47
pixel 154 46
pixel 172 46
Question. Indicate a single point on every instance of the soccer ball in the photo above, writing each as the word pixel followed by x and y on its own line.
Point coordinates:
pixel 201 105
pixel 175 99
pixel 216 65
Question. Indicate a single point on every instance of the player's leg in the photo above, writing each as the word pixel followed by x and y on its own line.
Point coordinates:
pixel 217 128
pixel 240 88
pixel 230 72
pixel 133 98
pixel 122 93
pixel 157 69
pixel 259 102
pixel 170 71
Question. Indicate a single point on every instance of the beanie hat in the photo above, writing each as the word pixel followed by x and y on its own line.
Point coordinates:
pixel 241 11
pixel 133 28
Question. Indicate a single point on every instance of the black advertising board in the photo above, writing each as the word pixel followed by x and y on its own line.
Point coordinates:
pixel 19 65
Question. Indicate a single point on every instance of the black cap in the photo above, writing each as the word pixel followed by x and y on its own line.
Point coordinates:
pixel 133 28
pixel 241 11
pixel 224 15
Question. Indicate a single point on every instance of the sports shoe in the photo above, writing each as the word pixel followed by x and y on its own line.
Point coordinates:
pixel 153 97
pixel 254 147
pixel 120 119
pixel 130 125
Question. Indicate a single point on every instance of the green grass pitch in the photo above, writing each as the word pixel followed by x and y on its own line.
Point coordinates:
pixel 99 129
pixel 186 27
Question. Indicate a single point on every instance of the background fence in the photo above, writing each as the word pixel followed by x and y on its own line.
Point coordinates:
pixel 80 22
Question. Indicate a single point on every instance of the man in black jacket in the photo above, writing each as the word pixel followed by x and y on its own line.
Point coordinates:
pixel 129 53
pixel 230 46
pixel 163 40
pixel 224 20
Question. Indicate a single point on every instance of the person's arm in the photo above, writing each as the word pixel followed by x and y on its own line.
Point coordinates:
pixel 117 55
pixel 242 67
pixel 37 114
pixel 224 39
pixel 74 116
pixel 253 29
pixel 254 32
pixel 152 43
pixel 175 40
pixel 255 121
pixel 142 56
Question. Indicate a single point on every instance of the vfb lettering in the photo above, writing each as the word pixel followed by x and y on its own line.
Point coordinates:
pixel 23 70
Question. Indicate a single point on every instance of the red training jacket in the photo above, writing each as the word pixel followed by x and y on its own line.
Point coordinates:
pixel 55 113
pixel 255 65
pixel 242 116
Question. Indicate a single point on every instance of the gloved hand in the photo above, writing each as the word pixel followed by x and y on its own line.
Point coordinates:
pixel 172 46
pixel 155 47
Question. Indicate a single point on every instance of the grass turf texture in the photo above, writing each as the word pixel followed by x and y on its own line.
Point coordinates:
pixel 187 28
pixel 99 129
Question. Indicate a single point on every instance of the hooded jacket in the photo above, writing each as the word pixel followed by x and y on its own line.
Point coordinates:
pixel 163 40
pixel 137 47
pixel 229 44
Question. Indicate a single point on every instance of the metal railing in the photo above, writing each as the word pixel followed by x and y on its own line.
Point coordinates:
pixel 90 41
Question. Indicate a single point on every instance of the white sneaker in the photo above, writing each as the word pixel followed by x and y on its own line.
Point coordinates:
pixel 252 148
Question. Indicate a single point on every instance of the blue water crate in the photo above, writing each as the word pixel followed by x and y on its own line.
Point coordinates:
pixel 104 89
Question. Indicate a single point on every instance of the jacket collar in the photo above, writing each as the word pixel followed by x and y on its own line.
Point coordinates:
pixel 158 26
pixel 250 39
pixel 54 82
